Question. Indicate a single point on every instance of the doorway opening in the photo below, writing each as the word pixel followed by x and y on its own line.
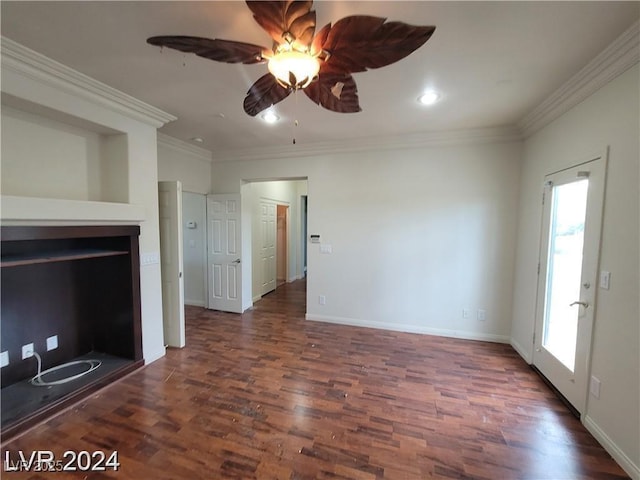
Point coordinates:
pixel 282 234
pixel 274 226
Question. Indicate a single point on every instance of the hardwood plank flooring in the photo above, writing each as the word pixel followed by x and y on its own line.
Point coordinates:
pixel 268 395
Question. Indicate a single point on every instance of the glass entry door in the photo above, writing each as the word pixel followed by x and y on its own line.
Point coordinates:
pixel 570 242
pixel 564 270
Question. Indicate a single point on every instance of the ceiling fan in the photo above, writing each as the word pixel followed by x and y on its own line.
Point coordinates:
pixel 319 63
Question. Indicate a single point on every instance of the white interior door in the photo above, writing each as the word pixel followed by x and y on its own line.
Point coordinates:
pixel 224 253
pixel 171 262
pixel 268 228
pixel 567 283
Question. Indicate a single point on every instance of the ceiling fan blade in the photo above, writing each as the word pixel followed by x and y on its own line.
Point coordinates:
pixel 336 92
pixel 361 42
pixel 266 91
pixel 280 18
pixel 214 49
pixel 320 39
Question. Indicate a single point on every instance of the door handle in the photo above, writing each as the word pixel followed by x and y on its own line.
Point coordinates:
pixel 584 304
pixel 237 260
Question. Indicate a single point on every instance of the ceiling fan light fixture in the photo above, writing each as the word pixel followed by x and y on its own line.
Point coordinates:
pixel 293 69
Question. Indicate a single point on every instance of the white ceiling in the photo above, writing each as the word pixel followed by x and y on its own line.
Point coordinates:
pixel 493 62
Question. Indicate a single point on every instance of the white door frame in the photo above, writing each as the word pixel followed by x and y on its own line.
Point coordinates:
pixel 171 262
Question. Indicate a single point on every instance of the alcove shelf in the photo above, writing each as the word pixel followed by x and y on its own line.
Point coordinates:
pixel 80 284
pixel 59 256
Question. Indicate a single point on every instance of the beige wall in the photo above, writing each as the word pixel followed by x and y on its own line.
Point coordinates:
pixel 179 160
pixel 609 118
pixel 417 234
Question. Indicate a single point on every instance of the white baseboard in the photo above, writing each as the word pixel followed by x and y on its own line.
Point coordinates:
pixel 194 303
pixel 408 328
pixel 256 298
pixel 609 445
pixel 521 351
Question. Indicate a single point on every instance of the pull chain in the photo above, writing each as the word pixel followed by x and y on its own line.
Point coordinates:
pixel 295 113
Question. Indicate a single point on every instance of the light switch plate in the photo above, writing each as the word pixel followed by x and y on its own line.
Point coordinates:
pixel 325 248
pixel 605 279
pixel 151 258
pixel 594 387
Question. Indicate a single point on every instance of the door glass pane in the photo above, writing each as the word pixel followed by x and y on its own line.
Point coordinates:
pixel 564 270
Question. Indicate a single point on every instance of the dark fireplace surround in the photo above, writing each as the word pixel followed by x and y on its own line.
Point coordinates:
pixel 81 283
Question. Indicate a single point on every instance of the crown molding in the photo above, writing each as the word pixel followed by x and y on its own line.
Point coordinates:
pixel 183 147
pixel 617 58
pixel 368 144
pixel 33 65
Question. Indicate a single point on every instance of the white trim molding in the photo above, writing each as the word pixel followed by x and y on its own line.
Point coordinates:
pixel 616 59
pixel 184 148
pixel 609 445
pixel 31 64
pixel 359 145
pixel 408 328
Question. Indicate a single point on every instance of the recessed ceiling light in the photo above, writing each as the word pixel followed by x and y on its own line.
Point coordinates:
pixel 270 117
pixel 197 139
pixel 429 98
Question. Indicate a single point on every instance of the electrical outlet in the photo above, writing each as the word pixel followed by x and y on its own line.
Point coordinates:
pixel 465 313
pixel 482 315
pixel 52 342
pixel 27 351
pixel 4 358
pixel 322 300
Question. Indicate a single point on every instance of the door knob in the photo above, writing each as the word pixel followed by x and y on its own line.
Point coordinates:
pixel 237 260
pixel 584 304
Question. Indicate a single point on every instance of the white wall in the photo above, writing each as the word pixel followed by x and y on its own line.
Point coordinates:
pixel 194 207
pixel 178 160
pixel 417 234
pixel 607 118
pixel 47 158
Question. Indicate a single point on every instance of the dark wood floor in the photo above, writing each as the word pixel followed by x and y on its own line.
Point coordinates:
pixel 269 395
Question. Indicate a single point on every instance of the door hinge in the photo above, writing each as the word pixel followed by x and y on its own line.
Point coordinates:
pixel 534 338
pixel 538 268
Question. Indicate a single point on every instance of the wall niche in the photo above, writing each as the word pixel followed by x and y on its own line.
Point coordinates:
pixel 80 284
pixel 48 154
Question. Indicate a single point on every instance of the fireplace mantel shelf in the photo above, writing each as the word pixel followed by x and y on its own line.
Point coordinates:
pixel 16 210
